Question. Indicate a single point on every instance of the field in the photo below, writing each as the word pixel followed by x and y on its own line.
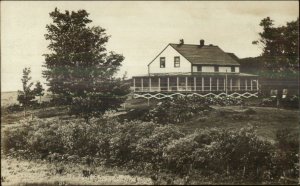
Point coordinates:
pixel 266 121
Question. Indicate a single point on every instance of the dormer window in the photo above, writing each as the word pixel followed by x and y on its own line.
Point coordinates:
pixel 176 61
pixel 162 62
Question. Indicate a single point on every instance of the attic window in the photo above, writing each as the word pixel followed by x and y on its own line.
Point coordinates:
pixel 162 62
pixel 176 61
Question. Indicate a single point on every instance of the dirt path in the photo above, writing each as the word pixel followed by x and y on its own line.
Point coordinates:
pixel 15 172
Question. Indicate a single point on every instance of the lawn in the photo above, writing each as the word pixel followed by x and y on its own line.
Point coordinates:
pixel 266 120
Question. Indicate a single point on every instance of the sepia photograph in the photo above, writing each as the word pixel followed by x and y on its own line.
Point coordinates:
pixel 150 93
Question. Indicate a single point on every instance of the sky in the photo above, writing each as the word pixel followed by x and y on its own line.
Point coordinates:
pixel 139 30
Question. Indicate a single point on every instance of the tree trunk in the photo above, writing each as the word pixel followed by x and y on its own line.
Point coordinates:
pixel 244 171
pixel 24 111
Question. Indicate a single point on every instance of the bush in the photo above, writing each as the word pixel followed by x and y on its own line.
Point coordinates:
pixel 124 141
pixel 150 149
pixel 232 154
pixel 268 102
pixel 290 102
pixel 236 153
pixel 14 108
pixel 15 138
pixel 177 110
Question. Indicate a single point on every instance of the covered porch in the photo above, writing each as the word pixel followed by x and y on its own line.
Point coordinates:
pixel 196 83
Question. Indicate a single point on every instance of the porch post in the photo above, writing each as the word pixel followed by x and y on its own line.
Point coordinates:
pixel 230 84
pixel 159 84
pixel 195 83
pixel 168 84
pixel 246 88
pixel 257 84
pixel 149 84
pixel 202 83
pixel 251 84
pixel 217 84
pixel 209 83
pixel 177 83
pixel 239 83
pixel 224 84
pixel 186 83
pixel 142 84
pixel 133 84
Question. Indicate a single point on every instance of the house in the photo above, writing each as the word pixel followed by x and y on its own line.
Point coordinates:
pixel 188 69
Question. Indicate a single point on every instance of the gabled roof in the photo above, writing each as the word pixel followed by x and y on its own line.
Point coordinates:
pixel 205 55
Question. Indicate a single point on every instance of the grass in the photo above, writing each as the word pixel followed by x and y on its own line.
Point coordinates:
pixel 16 172
pixel 266 120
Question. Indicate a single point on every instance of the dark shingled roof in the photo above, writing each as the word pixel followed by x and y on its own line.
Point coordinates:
pixel 205 55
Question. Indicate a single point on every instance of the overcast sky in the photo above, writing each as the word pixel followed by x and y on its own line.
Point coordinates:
pixel 139 30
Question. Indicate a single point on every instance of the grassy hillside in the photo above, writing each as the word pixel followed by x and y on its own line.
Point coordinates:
pixel 266 120
pixel 10 98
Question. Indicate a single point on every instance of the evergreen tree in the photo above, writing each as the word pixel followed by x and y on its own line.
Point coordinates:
pixel 80 72
pixel 26 96
pixel 39 90
pixel 280 47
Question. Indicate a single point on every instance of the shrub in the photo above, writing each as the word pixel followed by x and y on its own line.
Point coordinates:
pixel 268 102
pixel 125 138
pixel 150 149
pixel 177 110
pixel 14 108
pixel 290 102
pixel 15 138
pixel 286 157
pixel 134 114
pixel 232 154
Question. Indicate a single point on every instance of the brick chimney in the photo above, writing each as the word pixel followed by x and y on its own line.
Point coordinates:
pixel 202 42
pixel 181 41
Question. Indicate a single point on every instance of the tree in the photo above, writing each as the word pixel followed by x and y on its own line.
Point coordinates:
pixel 26 96
pixel 80 72
pixel 280 47
pixel 39 90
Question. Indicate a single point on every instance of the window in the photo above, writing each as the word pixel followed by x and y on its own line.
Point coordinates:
pixel 232 69
pixel 216 69
pixel 199 68
pixel 162 62
pixel 176 61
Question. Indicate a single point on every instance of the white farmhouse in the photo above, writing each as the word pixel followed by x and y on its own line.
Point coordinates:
pixel 195 69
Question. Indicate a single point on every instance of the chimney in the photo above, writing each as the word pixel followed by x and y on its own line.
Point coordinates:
pixel 201 42
pixel 181 41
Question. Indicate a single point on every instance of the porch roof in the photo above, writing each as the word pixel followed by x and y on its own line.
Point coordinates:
pixel 216 74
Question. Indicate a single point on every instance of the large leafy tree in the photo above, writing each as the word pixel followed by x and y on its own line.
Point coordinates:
pixel 80 72
pixel 27 95
pixel 280 47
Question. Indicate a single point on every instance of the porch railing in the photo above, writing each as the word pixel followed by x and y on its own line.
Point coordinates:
pixel 193 88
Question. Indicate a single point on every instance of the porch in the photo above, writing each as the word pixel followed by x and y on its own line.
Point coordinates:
pixel 196 83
